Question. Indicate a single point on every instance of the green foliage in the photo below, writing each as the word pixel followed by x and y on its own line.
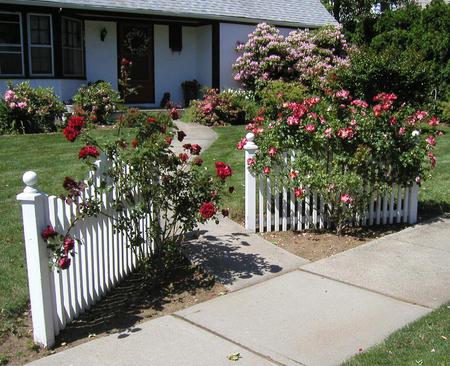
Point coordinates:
pixel 413 32
pixel 98 100
pixel 401 73
pixel 273 94
pixel 24 109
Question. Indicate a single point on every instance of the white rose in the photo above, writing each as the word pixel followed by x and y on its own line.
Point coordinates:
pixel 415 133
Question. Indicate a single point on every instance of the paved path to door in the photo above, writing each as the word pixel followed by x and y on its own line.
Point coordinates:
pixel 282 310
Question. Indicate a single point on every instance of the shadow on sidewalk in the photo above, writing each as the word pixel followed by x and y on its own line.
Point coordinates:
pixel 223 257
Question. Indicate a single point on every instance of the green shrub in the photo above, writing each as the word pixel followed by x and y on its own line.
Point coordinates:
pixel 228 107
pixel 274 93
pixel 401 73
pixel 24 109
pixel 98 100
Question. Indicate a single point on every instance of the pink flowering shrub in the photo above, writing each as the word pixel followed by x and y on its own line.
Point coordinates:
pixel 29 110
pixel 306 56
pixel 218 109
pixel 345 149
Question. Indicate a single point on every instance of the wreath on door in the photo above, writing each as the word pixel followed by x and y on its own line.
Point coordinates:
pixel 136 42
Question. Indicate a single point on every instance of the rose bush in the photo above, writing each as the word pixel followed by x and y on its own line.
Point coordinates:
pixel 345 149
pixel 98 100
pixel 24 109
pixel 174 192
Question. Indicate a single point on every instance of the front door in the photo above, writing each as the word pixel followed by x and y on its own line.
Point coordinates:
pixel 135 43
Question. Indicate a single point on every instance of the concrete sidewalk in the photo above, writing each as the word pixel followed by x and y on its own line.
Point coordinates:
pixel 316 314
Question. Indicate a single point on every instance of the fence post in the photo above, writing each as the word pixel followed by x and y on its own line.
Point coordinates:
pixel 250 184
pixel 34 212
pixel 413 204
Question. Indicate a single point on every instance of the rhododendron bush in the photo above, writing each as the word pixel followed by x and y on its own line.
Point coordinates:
pixel 306 56
pixel 345 149
pixel 144 177
pixel 29 110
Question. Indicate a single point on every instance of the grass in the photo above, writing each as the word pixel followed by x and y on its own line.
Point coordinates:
pixel 53 158
pixel 424 342
pixel 224 149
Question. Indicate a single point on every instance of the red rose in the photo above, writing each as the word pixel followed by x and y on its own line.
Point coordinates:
pixel 134 143
pixel 49 232
pixel 183 157
pixel 71 133
pixel 195 149
pixel 223 170
pixel 181 135
pixel 174 114
pixel 168 139
pixel 151 120
pixel 69 243
pixel 76 122
pixel 125 62
pixel 207 210
pixel 197 161
pixel 88 151
pixel 73 129
pixel 64 262
pixel 187 146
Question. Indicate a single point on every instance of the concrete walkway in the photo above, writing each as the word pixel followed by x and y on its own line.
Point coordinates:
pixel 195 134
pixel 283 310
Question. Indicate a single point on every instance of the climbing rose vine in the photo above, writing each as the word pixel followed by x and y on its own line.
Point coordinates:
pixel 175 194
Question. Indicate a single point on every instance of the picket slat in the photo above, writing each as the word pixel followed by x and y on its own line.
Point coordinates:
pixel 261 203
pixel 269 206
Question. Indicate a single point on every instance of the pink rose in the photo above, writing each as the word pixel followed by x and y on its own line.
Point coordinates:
pixel 299 192
pixel 266 170
pixel 310 128
pixel 347 199
pixel 273 151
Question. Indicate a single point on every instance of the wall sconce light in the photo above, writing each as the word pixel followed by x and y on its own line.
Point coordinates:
pixel 103 34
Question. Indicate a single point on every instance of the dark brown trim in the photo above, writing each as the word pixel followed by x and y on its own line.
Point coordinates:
pixel 215 59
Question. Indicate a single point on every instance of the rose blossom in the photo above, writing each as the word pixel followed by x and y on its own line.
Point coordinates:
pixel 251 161
pixel 134 143
pixel 359 103
pixel 432 159
pixel 418 180
pixel 88 151
pixel 183 157
pixel 223 170
pixel 434 121
pixel 293 174
pixel 197 161
pixel 240 145
pixel 48 233
pixel 195 149
pixel 266 170
pixel 69 244
pixel 207 210
pixel 415 133
pixel 64 262
pixel 151 120
pixel 310 128
pixel 431 140
pixel 10 95
pixel 347 199
pixel 328 132
pixel 402 131
pixel 273 151
pixel 168 139
pixel 299 192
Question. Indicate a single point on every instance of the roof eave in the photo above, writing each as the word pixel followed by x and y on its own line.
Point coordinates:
pixel 55 4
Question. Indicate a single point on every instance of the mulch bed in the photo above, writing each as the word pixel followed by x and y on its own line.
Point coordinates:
pixel 314 246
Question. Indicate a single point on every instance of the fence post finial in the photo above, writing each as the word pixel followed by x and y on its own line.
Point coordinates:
pixel 35 219
pixel 250 184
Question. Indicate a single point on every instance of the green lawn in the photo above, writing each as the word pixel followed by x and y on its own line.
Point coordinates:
pixel 424 342
pixel 224 149
pixel 53 158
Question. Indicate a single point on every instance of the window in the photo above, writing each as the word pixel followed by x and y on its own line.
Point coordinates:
pixel 11 52
pixel 175 37
pixel 72 47
pixel 40 44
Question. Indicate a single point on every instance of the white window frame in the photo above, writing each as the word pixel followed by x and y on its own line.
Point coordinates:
pixel 82 48
pixel 15 45
pixel 30 45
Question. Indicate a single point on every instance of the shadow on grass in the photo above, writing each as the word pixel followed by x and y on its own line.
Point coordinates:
pixel 223 258
pixel 430 209
pixel 131 301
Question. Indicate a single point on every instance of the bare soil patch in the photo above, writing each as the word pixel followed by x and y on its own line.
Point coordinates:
pixel 127 305
pixel 316 245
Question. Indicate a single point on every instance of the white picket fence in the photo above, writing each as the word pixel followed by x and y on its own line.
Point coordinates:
pixel 269 206
pixel 101 260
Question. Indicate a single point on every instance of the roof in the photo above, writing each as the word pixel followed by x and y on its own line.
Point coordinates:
pixel 299 13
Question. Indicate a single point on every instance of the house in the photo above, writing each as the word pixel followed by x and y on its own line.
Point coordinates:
pixel 66 43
